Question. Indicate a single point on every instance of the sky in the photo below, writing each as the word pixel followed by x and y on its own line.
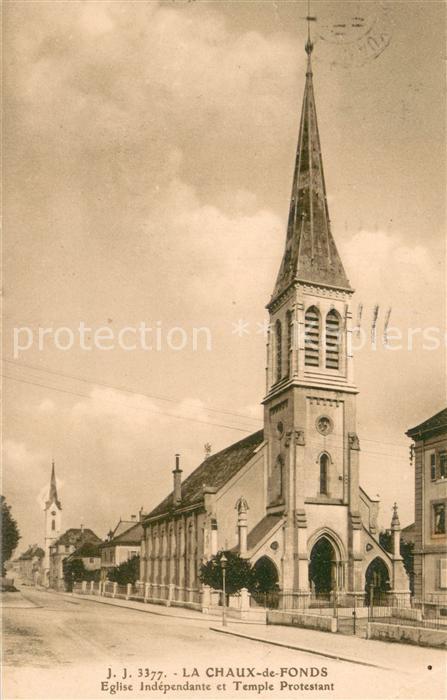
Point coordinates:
pixel 148 160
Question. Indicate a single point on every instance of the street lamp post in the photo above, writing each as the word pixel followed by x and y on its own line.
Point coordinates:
pixel 223 563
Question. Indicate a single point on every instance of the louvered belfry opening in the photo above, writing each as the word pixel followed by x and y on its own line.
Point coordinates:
pixel 333 340
pixel 278 339
pixel 289 342
pixel 312 337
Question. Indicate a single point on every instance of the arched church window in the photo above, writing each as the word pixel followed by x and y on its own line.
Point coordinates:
pixel 324 470
pixel 278 340
pixel 53 524
pixel 333 340
pixel 289 342
pixel 312 337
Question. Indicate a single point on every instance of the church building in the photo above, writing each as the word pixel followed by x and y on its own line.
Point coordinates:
pixel 53 522
pixel 288 497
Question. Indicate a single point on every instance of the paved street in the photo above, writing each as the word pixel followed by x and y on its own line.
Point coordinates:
pixel 58 646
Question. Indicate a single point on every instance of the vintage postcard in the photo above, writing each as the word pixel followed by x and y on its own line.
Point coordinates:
pixel 224 375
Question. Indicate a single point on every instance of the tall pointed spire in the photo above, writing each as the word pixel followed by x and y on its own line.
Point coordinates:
pixel 310 254
pixel 52 496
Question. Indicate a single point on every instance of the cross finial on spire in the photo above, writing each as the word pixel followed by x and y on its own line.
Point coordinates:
pixel 309 45
pixel 395 524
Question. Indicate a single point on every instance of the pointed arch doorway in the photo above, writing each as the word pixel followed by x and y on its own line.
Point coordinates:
pixel 377 582
pixel 322 567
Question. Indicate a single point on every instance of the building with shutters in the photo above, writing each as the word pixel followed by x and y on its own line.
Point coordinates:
pixel 430 534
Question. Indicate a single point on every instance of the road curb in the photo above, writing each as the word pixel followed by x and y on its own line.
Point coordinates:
pixel 288 645
pixel 107 601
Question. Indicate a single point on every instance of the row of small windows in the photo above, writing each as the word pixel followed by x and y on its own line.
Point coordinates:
pixel 312 341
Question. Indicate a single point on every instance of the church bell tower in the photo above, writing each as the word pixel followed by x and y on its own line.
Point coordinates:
pixel 309 408
pixel 53 517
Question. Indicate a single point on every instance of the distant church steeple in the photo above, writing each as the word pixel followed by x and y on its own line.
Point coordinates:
pixel 52 496
pixel 53 517
pixel 310 252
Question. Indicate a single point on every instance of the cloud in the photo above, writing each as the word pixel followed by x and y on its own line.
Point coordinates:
pixel 20 459
pixel 385 269
pixel 145 75
pixel 46 406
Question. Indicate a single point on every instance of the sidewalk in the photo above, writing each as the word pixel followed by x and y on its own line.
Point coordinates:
pixel 369 652
pixel 162 610
pixel 385 655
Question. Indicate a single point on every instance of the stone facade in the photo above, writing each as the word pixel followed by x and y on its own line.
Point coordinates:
pixel 430 536
pixel 303 514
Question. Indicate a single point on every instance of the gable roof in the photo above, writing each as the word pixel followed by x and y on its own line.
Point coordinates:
pixel 33 551
pixel 87 549
pixel 436 423
pixel 132 536
pixel 76 536
pixel 122 526
pixel 215 471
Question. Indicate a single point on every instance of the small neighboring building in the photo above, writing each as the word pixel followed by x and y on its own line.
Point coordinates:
pixel 124 543
pixel 61 549
pixel 430 534
pixel 29 565
pixel 89 554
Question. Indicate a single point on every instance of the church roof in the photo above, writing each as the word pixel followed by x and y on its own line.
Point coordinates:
pixel 52 496
pixel 262 528
pixel 436 423
pixel 215 471
pixel 310 252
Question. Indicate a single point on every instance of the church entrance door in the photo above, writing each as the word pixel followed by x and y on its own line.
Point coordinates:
pixel 322 568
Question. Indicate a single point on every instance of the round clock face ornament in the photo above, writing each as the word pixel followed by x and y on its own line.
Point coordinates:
pixel 324 425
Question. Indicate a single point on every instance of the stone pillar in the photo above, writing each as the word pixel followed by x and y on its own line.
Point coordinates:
pixel 214 533
pixel 128 591
pixel 181 554
pixel 206 599
pixel 244 599
pixel 300 518
pixel 395 533
pixel 355 582
pixel 242 508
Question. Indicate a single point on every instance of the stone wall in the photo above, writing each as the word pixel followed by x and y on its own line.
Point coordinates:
pixel 301 619
pixel 422 636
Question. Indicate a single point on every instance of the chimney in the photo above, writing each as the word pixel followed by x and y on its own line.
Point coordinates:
pixel 177 472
